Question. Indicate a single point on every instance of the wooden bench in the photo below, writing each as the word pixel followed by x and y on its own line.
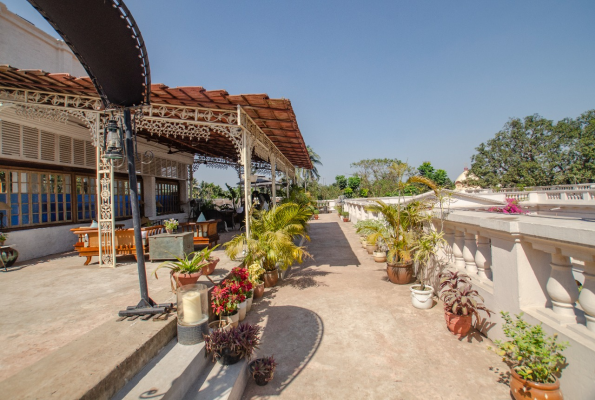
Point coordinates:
pixel 204 233
pixel 88 244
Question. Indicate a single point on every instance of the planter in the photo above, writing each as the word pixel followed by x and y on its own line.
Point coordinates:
pixel 221 324
pixel 522 389
pixel 422 299
pixel 208 270
pixel 2 242
pixel 271 278
pixel 170 231
pixel 459 325
pixel 233 319
pixel 345 219
pixel 9 256
pixel 249 302
pixel 228 358
pixel 186 279
pixel 380 256
pixel 242 309
pixel 371 248
pixel 261 380
pixel 315 216
pixel 258 291
pixel 400 273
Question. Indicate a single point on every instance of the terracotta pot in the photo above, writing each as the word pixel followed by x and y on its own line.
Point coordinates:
pixel 271 278
pixel 315 216
pixel 170 231
pixel 522 389
pixel 459 325
pixel 371 248
pixel 233 319
pixel 258 291
pixel 345 219
pixel 208 270
pixel 400 273
pixel 380 256
pixel 186 279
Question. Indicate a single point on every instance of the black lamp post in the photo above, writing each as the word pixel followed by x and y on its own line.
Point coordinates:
pixel 122 85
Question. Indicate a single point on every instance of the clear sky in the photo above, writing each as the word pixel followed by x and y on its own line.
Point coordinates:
pixel 414 80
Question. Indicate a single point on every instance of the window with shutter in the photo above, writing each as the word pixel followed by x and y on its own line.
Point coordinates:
pixel 48 146
pixel 90 154
pixel 11 139
pixel 31 142
pixel 79 152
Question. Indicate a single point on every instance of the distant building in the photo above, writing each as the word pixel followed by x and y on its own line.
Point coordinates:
pixel 25 46
pixel 461 181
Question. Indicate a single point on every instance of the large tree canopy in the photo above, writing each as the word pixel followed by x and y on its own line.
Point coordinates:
pixel 536 152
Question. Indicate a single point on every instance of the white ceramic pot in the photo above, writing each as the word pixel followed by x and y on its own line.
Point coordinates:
pixel 249 301
pixel 422 299
pixel 232 319
pixel 242 309
pixel 380 256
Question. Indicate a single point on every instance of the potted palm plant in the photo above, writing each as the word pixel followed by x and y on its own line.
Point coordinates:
pixel 185 271
pixel 371 244
pixel 460 302
pixel 271 242
pixel 535 359
pixel 228 346
pixel 263 369
pixel 425 251
pixel 345 216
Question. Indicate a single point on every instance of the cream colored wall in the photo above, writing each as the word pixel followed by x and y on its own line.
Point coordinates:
pixel 22 45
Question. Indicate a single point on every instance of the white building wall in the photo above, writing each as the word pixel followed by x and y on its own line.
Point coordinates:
pixel 23 45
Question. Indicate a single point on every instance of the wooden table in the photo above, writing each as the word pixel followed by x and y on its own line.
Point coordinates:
pixel 169 246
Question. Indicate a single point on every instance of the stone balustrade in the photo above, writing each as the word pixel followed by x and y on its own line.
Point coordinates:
pixel 529 264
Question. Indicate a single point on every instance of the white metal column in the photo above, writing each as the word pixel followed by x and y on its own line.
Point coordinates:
pixel 105 206
pixel 274 180
pixel 246 161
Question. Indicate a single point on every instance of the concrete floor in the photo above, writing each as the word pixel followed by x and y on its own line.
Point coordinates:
pixel 340 330
pixel 50 302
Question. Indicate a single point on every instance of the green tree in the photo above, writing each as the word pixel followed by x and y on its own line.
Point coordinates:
pixel 439 176
pixel 341 181
pixel 536 152
pixel 353 182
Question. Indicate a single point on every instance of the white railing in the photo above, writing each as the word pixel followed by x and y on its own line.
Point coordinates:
pixel 529 264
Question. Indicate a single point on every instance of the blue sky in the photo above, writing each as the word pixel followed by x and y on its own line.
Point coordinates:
pixel 414 80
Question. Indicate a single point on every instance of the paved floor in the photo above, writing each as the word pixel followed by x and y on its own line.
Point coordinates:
pixel 340 330
pixel 50 302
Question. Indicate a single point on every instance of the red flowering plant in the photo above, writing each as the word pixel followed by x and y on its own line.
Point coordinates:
pixel 235 289
pixel 224 301
pixel 512 207
pixel 241 276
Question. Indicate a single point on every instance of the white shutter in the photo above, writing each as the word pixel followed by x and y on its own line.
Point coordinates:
pixel 11 139
pixel 90 154
pixel 79 152
pixel 31 142
pixel 65 143
pixel 48 146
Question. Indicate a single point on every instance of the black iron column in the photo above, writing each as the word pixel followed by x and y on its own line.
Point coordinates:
pixel 138 239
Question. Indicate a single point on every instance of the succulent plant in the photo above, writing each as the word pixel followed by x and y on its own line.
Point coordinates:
pixel 263 368
pixel 240 341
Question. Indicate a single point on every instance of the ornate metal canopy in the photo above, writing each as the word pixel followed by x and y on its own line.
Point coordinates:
pixel 106 40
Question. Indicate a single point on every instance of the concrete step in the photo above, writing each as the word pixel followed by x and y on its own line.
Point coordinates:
pixel 220 382
pixel 167 376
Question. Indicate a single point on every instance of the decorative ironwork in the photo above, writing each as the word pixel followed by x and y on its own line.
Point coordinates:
pixel 37 113
pixel 105 217
pixel 196 114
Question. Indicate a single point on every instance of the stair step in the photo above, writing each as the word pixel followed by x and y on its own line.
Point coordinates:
pixel 167 376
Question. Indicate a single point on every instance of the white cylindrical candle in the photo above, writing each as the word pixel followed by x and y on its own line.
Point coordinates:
pixel 192 308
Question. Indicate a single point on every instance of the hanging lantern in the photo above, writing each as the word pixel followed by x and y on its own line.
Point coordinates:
pixel 113 141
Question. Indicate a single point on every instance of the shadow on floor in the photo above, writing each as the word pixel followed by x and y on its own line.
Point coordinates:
pixel 329 245
pixel 306 329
